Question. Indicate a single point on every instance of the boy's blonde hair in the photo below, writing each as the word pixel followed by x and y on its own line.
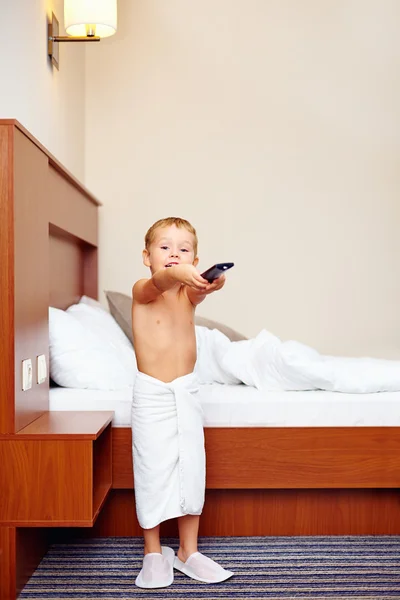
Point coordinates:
pixel 168 222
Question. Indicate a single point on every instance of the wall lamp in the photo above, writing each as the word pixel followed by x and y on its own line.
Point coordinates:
pixel 85 21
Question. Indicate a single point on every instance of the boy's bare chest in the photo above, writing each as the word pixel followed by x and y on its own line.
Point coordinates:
pixel 164 313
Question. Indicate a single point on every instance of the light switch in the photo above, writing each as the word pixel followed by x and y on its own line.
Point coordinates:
pixel 41 368
pixel 26 374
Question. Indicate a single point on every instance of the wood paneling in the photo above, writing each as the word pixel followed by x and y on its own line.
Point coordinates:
pixel 90 272
pixel 7 563
pixel 122 468
pixel 59 467
pixel 51 483
pixel 73 269
pixel 301 512
pixel 102 470
pixel 72 180
pixel 66 271
pixel 260 480
pixel 118 517
pixel 305 457
pixel 65 425
pixel 42 481
pixel 284 458
pixel 6 281
pixel 31 545
pixel 69 210
pixel 53 162
pixel 36 193
pixel 21 550
pixel 269 512
pixel 31 270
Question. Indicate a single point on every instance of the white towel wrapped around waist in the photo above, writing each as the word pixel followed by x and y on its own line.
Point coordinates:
pixel 168 449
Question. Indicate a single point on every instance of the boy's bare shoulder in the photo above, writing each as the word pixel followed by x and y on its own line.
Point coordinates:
pixel 144 291
pixel 138 284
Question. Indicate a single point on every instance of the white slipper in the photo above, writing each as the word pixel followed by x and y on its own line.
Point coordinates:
pixel 202 568
pixel 157 570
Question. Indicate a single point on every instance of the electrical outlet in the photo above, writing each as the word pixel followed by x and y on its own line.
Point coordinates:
pixel 26 374
pixel 41 368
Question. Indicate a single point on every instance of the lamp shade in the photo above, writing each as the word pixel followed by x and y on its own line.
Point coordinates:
pixel 100 13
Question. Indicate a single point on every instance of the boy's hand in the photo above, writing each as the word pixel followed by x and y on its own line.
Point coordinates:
pixel 197 295
pixel 189 275
pixel 217 284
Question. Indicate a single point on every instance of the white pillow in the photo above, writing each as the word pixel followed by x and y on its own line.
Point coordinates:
pixel 100 322
pixel 83 354
pixel 92 302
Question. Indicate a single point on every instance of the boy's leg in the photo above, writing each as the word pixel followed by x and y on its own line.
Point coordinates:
pixel 188 533
pixel 152 540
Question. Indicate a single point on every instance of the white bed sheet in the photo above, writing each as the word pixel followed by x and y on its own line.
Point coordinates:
pixel 244 406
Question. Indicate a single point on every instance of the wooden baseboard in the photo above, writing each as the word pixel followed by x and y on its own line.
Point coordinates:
pixel 269 512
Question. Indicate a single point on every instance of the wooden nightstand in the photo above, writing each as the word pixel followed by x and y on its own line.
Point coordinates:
pixel 56 472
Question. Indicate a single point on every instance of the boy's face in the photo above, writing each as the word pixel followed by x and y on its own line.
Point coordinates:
pixel 171 246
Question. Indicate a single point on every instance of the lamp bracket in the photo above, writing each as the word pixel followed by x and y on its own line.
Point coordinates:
pixel 54 38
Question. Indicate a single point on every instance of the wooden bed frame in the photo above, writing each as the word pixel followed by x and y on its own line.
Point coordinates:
pixel 260 481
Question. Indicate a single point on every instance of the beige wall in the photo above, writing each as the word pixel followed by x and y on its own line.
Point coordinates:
pixel 273 125
pixel 49 103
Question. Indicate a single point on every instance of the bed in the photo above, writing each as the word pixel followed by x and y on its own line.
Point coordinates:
pixel 312 463
pixel 279 463
pixel 291 463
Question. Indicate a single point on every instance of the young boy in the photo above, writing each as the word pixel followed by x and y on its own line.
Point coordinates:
pixel 167 424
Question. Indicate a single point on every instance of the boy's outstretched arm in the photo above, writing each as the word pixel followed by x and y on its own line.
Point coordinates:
pixel 197 296
pixel 147 290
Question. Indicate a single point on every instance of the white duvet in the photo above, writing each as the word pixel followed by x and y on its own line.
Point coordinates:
pixel 269 364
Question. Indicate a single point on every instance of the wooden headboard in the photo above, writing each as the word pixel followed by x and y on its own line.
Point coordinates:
pixel 48 250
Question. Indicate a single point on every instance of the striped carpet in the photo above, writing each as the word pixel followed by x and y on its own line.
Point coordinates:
pixel 265 567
